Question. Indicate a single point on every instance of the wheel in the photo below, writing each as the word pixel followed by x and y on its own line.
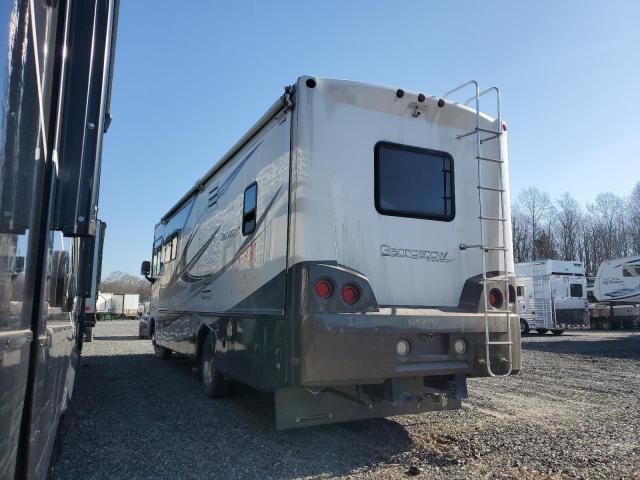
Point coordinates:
pixel 557 331
pixel 524 327
pixel 542 331
pixel 214 384
pixel 159 350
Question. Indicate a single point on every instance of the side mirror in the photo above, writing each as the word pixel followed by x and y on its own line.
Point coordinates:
pixel 145 268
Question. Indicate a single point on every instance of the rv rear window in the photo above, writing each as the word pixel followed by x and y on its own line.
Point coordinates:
pixel 413 182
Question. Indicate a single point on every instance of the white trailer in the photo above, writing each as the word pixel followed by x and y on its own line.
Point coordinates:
pixel 351 253
pixel 551 295
pixel 618 281
pixel 118 305
pixel 617 291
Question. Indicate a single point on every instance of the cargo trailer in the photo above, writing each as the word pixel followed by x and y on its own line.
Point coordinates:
pixel 551 295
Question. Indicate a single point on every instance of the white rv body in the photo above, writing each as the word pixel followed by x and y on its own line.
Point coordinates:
pixel 618 281
pixel 551 294
pixel 408 261
pixel 298 201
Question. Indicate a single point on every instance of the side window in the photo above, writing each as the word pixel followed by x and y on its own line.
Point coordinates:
pixel 520 291
pixel 576 290
pixel 157 257
pixel 249 208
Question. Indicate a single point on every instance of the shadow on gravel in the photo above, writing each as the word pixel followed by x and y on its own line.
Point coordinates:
pixel 136 416
pixel 627 346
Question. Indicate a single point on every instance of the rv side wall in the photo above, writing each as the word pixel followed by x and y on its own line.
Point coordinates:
pixel 224 254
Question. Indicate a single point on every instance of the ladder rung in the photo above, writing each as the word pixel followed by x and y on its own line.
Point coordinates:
pixel 464 246
pixel 488 131
pixel 489 159
pixel 496 219
pixel 482 140
pixel 492 189
pixel 499 343
pixel 478 130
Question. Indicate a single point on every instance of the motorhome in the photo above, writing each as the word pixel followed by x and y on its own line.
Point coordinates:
pixel 551 294
pixel 618 281
pixel 351 253
pixel 55 75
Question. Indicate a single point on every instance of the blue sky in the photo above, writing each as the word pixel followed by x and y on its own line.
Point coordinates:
pixel 190 80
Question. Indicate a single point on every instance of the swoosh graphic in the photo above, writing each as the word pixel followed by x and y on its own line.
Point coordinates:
pixel 208 279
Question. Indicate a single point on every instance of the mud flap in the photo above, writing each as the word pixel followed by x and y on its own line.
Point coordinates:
pixel 297 407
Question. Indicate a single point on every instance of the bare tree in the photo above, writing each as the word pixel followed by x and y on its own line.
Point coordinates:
pixel 568 220
pixel 535 206
pixel 633 209
pixel 520 234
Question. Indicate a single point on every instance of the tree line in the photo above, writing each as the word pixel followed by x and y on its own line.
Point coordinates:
pixel 563 229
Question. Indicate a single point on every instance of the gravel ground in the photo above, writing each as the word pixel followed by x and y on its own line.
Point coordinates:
pixel 574 412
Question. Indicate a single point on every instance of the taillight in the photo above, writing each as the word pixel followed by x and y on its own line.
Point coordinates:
pixel 512 294
pixel 350 294
pixel 495 298
pixel 324 288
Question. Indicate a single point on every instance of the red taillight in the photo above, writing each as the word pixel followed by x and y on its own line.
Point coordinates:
pixel 324 288
pixel 495 298
pixel 350 294
pixel 512 294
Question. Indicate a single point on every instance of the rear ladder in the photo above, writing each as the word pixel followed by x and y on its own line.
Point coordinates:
pixel 482 136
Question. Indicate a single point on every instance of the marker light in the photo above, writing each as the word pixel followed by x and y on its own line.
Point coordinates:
pixel 402 347
pixel 350 294
pixel 495 298
pixel 460 346
pixel 323 288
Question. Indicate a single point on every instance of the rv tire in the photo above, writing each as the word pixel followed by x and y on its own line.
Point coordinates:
pixel 542 331
pixel 159 350
pixel 524 327
pixel 557 331
pixel 214 384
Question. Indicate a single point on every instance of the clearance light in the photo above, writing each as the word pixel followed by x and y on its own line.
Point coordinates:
pixel 402 347
pixel 324 288
pixel 460 346
pixel 350 294
pixel 495 298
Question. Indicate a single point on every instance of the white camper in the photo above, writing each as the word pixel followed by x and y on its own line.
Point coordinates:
pixel 551 294
pixel 351 253
pixel 618 281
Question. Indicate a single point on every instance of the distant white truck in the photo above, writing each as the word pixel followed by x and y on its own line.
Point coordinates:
pixel 117 305
pixel 551 294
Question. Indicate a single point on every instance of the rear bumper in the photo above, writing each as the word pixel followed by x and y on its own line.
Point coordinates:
pixel 356 349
